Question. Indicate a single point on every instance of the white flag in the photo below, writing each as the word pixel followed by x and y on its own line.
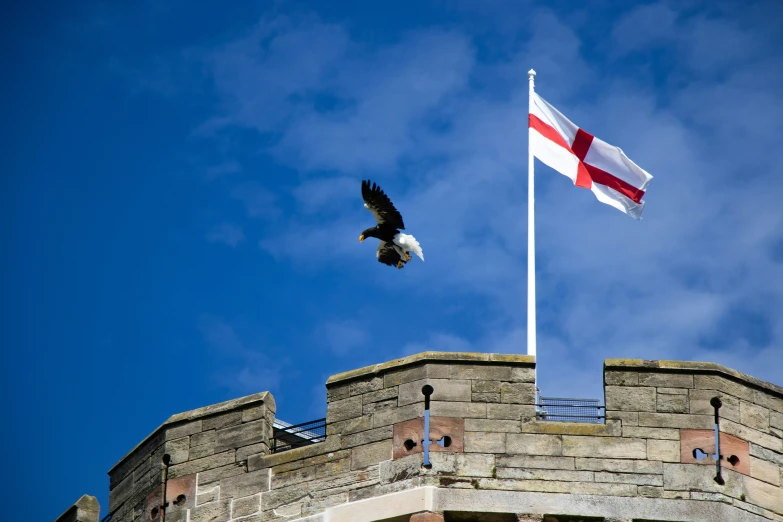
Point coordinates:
pixel 590 162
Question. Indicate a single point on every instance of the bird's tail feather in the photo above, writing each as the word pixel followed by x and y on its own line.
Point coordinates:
pixel 410 242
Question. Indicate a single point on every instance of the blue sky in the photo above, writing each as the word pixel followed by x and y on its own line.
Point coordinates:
pixel 180 188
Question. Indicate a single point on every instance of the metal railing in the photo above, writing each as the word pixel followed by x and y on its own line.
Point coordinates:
pixel 287 436
pixel 569 410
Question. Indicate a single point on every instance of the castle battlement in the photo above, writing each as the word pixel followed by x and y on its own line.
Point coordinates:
pixel 491 456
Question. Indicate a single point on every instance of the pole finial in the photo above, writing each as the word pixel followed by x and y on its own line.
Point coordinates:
pixel 531 73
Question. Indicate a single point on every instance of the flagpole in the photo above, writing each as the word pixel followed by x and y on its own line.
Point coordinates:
pixel 531 238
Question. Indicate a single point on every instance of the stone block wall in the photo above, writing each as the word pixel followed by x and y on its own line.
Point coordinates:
pixel 204 446
pixel 640 464
pixel 660 403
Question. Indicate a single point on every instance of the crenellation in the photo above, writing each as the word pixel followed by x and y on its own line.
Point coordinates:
pixel 202 438
pixel 517 393
pixel 366 437
pixel 178 449
pixel 336 393
pixel 216 475
pixel 763 398
pixel 253 449
pixel 459 409
pixel 484 386
pixel 700 404
pixel 486 405
pixel 366 385
pixel 666 379
pixel 254 413
pixel 752 435
pixel 719 383
pixel 381 395
pixel 630 398
pixel 400 414
pixel 485 397
pixel 675 403
pixel 371 407
pixel 674 391
pixel 183 430
pixel 344 409
pixel 754 416
pixel 349 426
pixel 416 373
pixel 445 390
pixel 615 378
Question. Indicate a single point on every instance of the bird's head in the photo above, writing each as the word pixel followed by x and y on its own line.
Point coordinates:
pixel 370 232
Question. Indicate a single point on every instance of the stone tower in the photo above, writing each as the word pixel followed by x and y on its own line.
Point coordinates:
pixel 491 456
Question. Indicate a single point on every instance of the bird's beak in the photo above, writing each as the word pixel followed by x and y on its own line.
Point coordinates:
pixel 361 238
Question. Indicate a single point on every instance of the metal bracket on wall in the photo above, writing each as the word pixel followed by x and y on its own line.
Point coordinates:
pixel 716 403
pixel 428 434
pixel 728 451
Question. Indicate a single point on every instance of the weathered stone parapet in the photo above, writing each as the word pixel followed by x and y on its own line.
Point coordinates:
pixel 642 372
pixel 499 460
pixel 492 392
pixel 86 509
pixel 213 442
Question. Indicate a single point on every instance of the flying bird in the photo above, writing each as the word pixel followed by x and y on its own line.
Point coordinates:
pixel 395 247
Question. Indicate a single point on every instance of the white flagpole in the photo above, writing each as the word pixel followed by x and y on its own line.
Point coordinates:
pixel 531 239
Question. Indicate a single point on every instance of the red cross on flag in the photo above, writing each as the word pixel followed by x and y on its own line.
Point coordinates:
pixel 590 162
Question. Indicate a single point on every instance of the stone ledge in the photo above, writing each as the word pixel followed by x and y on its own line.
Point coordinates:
pixel 431 498
pixel 527 361
pixel 622 508
pixel 692 367
pixel 331 445
pixel 198 413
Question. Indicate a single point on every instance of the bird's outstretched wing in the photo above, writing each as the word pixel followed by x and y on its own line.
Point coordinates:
pixel 377 202
pixel 387 255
